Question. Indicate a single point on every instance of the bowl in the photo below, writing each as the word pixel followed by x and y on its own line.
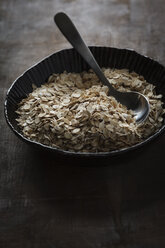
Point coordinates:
pixel 70 61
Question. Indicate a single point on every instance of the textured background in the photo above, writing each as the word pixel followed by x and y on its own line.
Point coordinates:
pixel 60 203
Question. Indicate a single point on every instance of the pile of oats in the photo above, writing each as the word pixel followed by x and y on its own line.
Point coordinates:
pixel 72 111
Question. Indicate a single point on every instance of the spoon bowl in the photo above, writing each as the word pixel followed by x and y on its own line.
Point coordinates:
pixel 132 100
pixel 135 101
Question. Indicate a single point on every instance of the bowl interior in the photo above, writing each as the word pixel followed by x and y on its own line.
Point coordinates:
pixel 69 60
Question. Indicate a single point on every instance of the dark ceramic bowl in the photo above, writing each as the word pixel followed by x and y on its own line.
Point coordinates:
pixel 70 61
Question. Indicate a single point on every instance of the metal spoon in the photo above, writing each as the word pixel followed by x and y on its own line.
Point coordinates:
pixel 132 100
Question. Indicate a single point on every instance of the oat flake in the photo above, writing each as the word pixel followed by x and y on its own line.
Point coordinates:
pixel 73 111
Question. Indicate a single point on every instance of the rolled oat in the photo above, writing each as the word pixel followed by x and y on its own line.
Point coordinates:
pixel 72 111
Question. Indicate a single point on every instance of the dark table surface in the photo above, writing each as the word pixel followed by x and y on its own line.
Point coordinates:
pixel 54 202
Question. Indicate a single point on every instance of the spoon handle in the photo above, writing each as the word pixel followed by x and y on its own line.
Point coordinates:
pixel 70 32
